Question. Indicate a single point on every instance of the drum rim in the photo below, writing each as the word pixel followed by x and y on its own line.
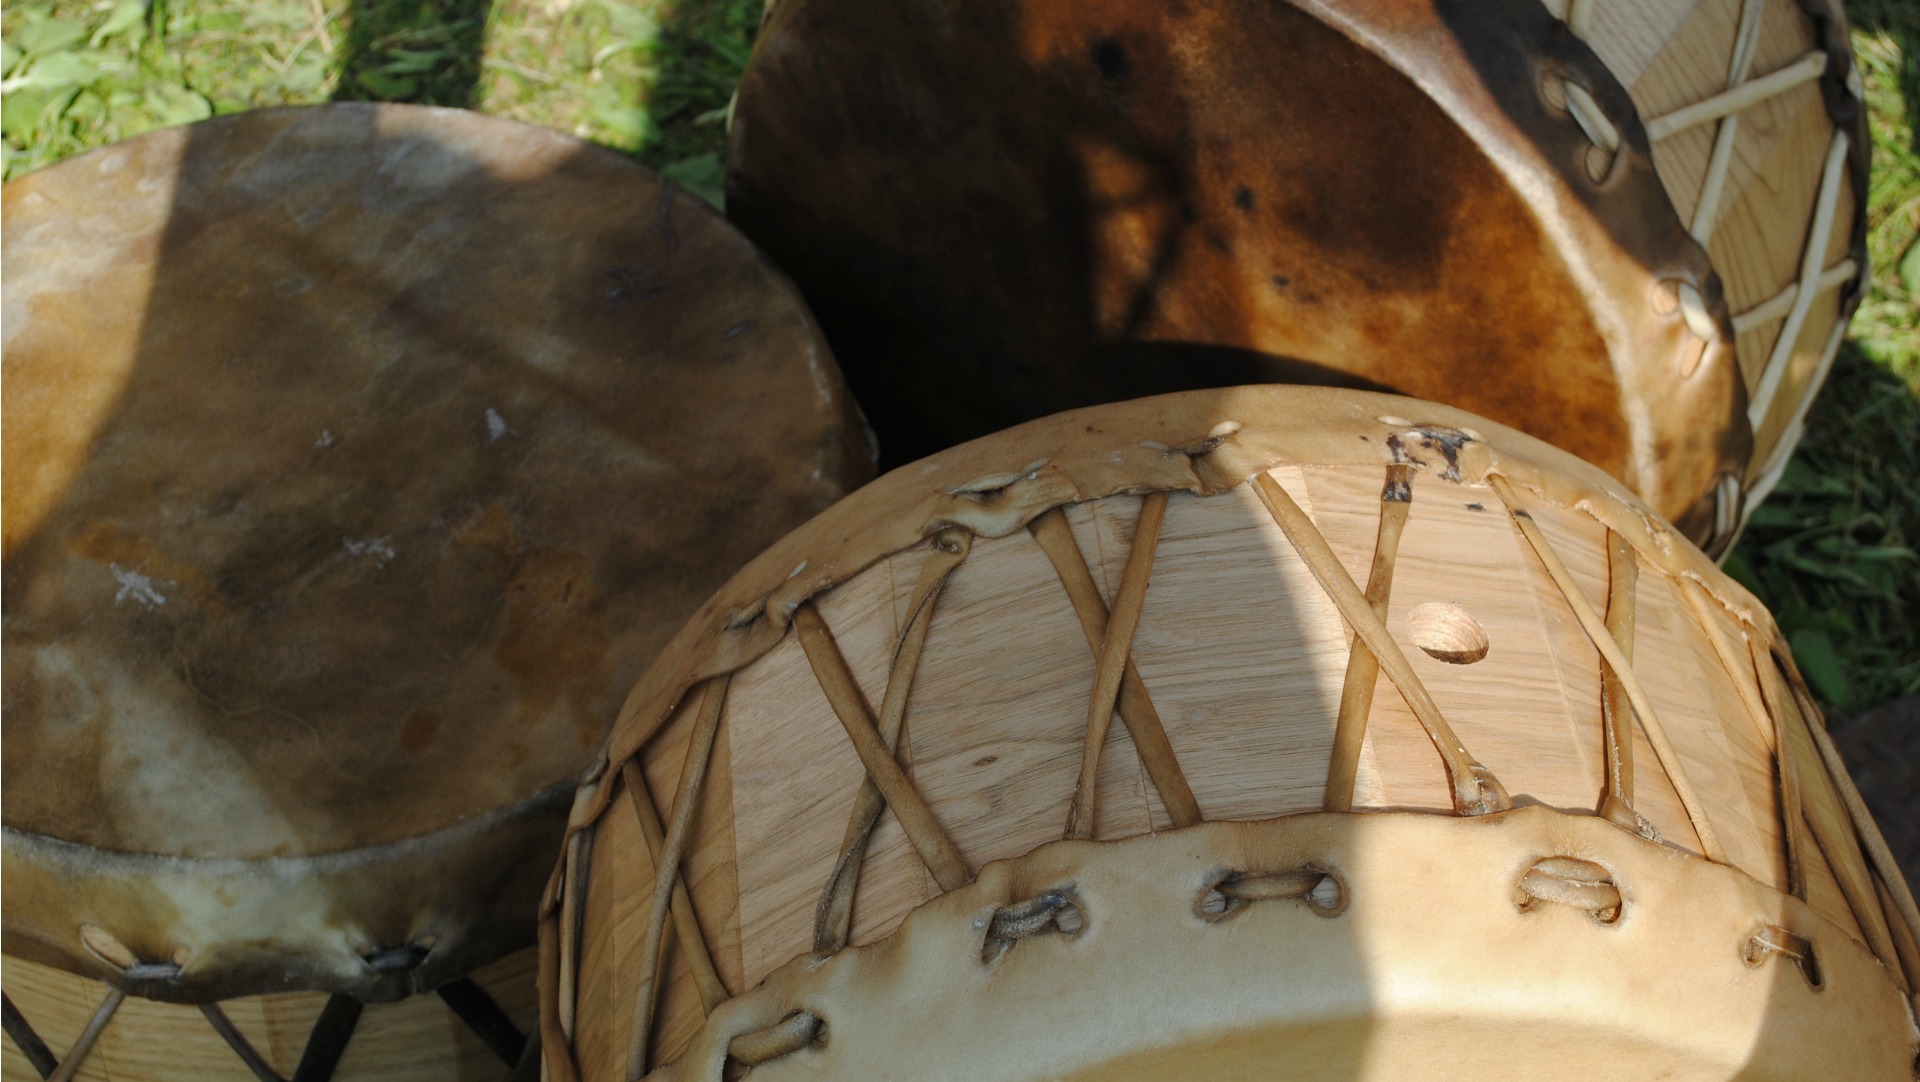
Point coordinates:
pixel 476 915
pixel 1846 996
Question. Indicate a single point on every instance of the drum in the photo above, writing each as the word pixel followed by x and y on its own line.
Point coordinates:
pixel 1216 733
pixel 1759 136
pixel 357 459
pixel 1001 210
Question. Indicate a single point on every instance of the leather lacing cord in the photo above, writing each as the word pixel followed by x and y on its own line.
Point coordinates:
pixel 1324 894
pixel 1793 303
pixel 1049 912
pixel 1570 881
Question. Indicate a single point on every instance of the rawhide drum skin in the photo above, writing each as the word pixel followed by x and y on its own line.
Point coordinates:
pixel 358 460
pixel 1004 209
pixel 1754 112
pixel 1230 734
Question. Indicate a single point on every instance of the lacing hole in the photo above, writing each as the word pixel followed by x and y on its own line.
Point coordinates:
pixel 107 947
pixel 991 486
pixel 1571 881
pixel 1553 90
pixel 747 615
pixel 1213 906
pixel 1665 296
pixel 153 971
pixel 1599 162
pixel 1329 899
pixel 798 1030
pixel 397 959
pixel 1683 297
pixel 1726 505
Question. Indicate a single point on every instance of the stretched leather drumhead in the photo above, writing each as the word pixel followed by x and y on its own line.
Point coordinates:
pixel 1008 208
pixel 358 458
pixel 1245 733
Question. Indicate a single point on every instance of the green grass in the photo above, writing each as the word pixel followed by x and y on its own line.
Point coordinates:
pixel 1833 552
pixel 648 79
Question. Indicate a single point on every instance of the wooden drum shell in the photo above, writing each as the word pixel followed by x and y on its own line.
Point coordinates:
pixel 1242 649
pixel 1759 136
pixel 412 1040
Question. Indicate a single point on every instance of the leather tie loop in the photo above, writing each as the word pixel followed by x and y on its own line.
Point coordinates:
pixel 1051 911
pixel 1568 881
pixel 801 1029
pixel 1324 894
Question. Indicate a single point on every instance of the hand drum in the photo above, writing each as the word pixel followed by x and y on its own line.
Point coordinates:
pixel 1223 734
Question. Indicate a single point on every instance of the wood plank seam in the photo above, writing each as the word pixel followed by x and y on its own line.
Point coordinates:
pixel 1786 773
pixel 1616 711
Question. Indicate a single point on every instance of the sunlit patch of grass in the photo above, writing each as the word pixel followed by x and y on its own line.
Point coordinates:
pixel 80 75
pixel 649 79
pixel 584 68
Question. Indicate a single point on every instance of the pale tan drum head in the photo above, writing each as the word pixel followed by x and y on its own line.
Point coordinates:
pixel 1754 111
pixel 358 458
pixel 1252 733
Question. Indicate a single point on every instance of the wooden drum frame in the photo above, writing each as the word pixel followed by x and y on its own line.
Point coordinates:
pixel 869 816
pixel 1754 112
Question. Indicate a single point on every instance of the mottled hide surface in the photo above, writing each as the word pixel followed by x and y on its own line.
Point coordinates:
pixel 358 459
pixel 1004 209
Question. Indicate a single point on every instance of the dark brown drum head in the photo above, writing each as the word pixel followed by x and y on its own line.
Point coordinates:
pixel 359 458
pixel 1008 208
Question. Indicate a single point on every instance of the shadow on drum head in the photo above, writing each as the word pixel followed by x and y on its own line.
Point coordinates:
pixel 981 207
pixel 359 458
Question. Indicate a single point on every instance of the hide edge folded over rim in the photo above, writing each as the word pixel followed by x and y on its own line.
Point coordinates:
pixel 287 924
